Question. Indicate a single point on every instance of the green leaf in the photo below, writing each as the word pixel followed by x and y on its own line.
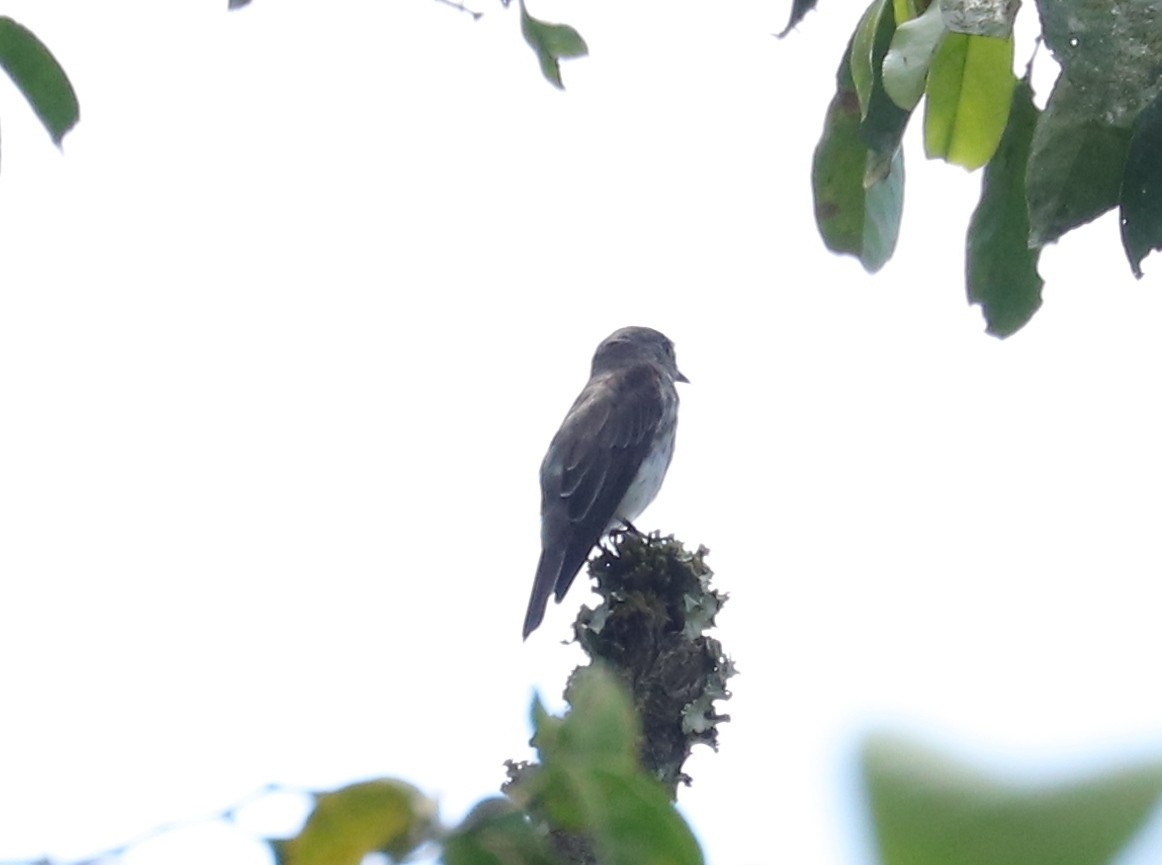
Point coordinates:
pixel 1001 269
pixel 551 42
pixel 1109 52
pixel 1141 193
pixel 634 823
pixel 852 219
pixel 862 52
pixel 970 85
pixel 883 205
pixel 602 724
pixel 1075 167
pixel 590 781
pixel 373 816
pixel 837 172
pixel 930 811
pixel 906 64
pixel 39 77
pixel 905 10
pixel 884 121
pixel 1109 74
pixel 496 833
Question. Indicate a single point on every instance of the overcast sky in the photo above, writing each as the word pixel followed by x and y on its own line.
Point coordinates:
pixel 286 329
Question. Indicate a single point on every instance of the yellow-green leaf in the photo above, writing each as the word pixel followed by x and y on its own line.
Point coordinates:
pixel 970 86
pixel 373 816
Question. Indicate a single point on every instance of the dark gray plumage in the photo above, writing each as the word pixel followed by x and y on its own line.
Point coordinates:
pixel 607 461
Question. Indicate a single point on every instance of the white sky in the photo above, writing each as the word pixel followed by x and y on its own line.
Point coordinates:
pixel 285 332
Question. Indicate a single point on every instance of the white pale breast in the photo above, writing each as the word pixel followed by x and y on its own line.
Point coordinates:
pixel 646 482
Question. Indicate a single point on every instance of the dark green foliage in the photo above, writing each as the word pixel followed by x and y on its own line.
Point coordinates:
pixel 39 77
pixel 1075 166
pixel 1001 268
pixel 1141 193
pixel 1109 75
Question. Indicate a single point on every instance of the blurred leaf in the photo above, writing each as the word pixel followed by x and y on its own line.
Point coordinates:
pixel 1076 166
pixel 980 17
pixel 1001 269
pixel 602 724
pixel 551 42
pixel 970 85
pixel 634 822
pixel 238 4
pixel 852 219
pixel 39 77
pixel 373 816
pixel 799 8
pixel 496 833
pixel 930 811
pixel 1141 193
pixel 601 727
pixel 906 64
pixel 589 779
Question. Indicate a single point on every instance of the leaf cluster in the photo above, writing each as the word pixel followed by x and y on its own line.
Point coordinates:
pixel 586 800
pixel 1097 145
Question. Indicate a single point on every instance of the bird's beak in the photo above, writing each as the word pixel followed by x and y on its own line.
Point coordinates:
pixel 680 377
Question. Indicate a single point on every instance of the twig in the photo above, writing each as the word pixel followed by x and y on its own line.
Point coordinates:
pixel 459 4
pixel 117 852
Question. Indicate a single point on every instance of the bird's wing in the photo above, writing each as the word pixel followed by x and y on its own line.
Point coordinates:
pixel 595 456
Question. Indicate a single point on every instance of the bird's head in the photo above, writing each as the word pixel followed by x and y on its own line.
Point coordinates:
pixel 636 345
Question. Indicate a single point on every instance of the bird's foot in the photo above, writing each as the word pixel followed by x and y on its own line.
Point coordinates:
pixel 631 528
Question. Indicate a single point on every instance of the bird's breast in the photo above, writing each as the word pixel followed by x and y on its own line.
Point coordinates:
pixel 648 479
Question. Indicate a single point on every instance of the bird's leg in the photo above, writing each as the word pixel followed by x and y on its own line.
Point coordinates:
pixel 630 527
pixel 609 539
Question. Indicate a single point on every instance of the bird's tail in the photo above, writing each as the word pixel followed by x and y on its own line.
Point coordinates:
pixel 548 570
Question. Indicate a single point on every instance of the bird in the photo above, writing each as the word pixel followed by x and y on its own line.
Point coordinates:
pixel 607 461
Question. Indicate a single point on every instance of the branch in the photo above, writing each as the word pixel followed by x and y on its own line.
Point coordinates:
pixel 119 851
pixel 459 4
